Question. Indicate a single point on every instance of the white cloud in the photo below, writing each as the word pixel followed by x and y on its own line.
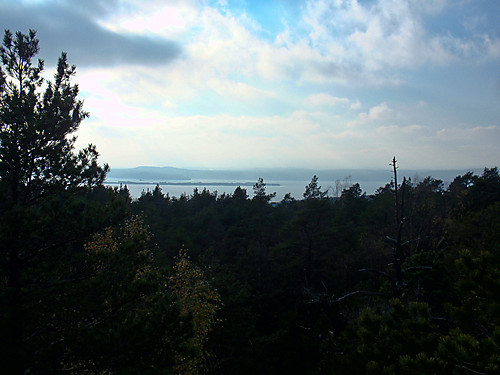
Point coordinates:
pixel 355 105
pixel 386 34
pixel 129 136
pixel 239 90
pixel 347 40
pixel 171 19
pixel 467 135
pixel 492 47
pixel 409 130
pixel 134 122
pixel 222 44
pixel 376 113
pixel 322 99
pixel 202 140
pixel 451 147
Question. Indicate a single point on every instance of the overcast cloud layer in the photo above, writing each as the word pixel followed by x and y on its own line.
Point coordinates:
pixel 318 84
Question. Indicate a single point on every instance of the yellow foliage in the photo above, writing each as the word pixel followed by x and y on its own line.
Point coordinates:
pixel 198 299
pixel 103 241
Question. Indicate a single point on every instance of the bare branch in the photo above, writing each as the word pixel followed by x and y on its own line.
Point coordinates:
pixel 390 239
pixel 362 292
pixel 470 370
pixel 417 268
pixel 375 270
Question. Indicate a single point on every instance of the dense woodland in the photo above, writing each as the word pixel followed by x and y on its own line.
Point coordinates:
pixel 404 281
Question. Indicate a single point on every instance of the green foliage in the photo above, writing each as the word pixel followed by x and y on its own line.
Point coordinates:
pixel 129 323
pixel 405 339
pixel 36 152
pixel 45 190
pixel 259 189
pixel 479 287
pixel 313 190
pixel 403 334
pixel 283 271
pixel 305 283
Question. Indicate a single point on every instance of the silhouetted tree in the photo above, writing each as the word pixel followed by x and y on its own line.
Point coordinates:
pixel 38 169
pixel 259 190
pixel 313 190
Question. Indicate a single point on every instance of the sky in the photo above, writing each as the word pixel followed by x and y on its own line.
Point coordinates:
pixel 287 83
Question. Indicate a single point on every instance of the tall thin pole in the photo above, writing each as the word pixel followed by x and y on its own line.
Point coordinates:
pixel 397 248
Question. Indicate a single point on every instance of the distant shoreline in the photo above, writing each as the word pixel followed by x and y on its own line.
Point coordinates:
pixel 200 183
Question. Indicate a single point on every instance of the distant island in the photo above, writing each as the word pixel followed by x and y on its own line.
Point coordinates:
pixel 187 183
pixel 145 175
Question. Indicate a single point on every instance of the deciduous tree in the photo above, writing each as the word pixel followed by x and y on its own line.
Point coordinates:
pixel 198 300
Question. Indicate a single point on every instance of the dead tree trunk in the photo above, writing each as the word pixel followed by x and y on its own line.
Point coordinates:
pixel 399 220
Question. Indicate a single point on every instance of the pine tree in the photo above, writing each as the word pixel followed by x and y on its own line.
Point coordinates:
pixel 259 189
pixel 313 190
pixel 39 171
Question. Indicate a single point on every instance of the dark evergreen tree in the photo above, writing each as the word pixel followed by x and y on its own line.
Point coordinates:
pixel 259 190
pixel 38 169
pixel 66 307
pixel 37 150
pixel 313 190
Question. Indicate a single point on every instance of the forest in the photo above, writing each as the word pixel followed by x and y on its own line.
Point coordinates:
pixel 404 281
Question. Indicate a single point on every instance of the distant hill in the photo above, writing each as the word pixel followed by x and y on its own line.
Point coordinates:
pixel 147 173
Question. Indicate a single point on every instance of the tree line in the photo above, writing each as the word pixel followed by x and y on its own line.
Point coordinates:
pixel 92 282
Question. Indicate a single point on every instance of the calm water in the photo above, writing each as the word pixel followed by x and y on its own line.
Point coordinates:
pixel 369 180
pixel 295 188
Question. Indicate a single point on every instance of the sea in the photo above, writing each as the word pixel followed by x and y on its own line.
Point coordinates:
pixel 331 181
pixel 281 188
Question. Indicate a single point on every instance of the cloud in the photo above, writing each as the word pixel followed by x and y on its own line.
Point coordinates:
pixel 302 138
pixel 355 105
pixel 383 34
pixel 66 26
pixel 468 135
pixel 225 95
pixel 450 147
pixel 172 19
pixel 239 90
pixel 492 46
pixel 376 113
pixel 409 130
pixel 224 140
pixel 323 99
pixel 345 40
